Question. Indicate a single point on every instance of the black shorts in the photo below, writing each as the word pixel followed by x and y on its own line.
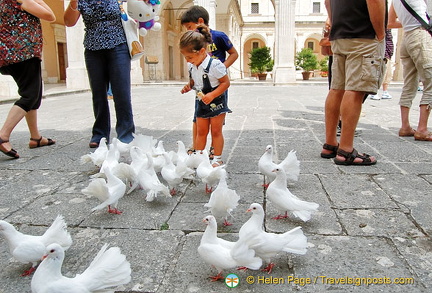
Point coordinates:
pixel 28 77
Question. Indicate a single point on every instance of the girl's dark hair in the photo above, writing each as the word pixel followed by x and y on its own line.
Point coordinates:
pixel 197 39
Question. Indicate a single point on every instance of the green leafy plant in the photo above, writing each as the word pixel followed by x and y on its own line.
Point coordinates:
pixel 323 64
pixel 260 59
pixel 306 60
pixel 270 66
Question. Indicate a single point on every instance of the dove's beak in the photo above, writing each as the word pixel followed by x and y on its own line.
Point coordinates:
pixel 248 210
pixel 44 257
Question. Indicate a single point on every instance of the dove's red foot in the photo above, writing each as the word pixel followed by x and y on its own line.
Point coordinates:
pixel 114 211
pixel 268 268
pixel 209 189
pixel 265 185
pixel 217 277
pixel 244 269
pixel 226 223
pixel 280 217
pixel 173 191
pixel 28 272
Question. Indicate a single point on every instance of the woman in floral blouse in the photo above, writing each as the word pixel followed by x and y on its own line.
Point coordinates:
pixel 107 60
pixel 20 57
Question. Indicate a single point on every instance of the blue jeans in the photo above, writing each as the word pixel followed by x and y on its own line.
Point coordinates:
pixel 104 67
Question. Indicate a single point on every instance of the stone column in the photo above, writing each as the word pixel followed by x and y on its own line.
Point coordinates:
pixel 76 72
pixel 284 67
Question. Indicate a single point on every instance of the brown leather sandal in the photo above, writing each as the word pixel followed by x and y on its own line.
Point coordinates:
pixel 329 147
pixel 350 157
pixel 12 153
pixel 38 142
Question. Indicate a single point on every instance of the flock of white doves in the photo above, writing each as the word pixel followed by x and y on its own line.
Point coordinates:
pixel 146 159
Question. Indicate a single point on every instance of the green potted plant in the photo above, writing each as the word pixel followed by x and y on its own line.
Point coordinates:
pixel 260 59
pixel 308 61
pixel 323 66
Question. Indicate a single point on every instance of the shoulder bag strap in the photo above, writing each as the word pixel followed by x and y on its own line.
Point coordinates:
pixel 421 20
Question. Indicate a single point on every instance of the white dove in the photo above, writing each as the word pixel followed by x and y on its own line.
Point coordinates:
pixel 267 245
pixel 181 154
pixel 144 142
pixel 223 200
pixel 291 165
pixel 122 147
pixel 159 149
pixel 111 160
pixel 280 196
pixel 98 156
pixel 126 173
pixel 223 254
pixel 149 181
pixel 174 175
pixel 196 158
pixel 208 174
pixel 29 248
pixel 109 192
pixel 109 269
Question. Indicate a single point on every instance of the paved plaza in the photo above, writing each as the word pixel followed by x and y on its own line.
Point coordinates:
pixel 371 232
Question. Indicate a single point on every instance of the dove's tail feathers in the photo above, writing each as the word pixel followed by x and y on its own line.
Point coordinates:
pixel 85 159
pixel 244 256
pixel 97 188
pixel 101 206
pixel 125 172
pixel 231 199
pixel 57 233
pixel 296 241
pixel 108 269
pixel 291 166
pixel 305 213
pixel 151 195
pixel 165 190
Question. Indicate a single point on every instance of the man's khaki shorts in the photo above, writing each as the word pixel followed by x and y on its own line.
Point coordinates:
pixel 358 65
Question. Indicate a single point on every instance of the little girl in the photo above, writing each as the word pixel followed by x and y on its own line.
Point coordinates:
pixel 208 77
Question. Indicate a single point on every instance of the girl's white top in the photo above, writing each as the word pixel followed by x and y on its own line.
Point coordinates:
pixel 217 70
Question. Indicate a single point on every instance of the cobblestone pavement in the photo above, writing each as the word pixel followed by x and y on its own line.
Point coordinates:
pixel 373 224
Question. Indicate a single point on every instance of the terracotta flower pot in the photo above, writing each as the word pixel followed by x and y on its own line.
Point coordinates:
pixel 306 75
pixel 262 76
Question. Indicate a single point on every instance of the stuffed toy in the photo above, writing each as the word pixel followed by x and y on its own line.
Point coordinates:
pixel 144 12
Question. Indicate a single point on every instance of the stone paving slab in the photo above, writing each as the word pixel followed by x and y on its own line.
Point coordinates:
pixel 373 222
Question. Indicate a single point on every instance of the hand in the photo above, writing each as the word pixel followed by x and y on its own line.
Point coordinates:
pixel 207 99
pixel 186 89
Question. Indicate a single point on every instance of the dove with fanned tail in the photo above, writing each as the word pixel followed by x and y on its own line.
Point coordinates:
pixel 98 156
pixel 29 248
pixel 109 192
pixel 223 200
pixel 268 245
pixel 109 269
pixel 291 165
pixel 280 196
pixel 223 254
pixel 208 174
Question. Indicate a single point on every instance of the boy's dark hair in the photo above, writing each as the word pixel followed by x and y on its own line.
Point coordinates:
pixel 194 13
